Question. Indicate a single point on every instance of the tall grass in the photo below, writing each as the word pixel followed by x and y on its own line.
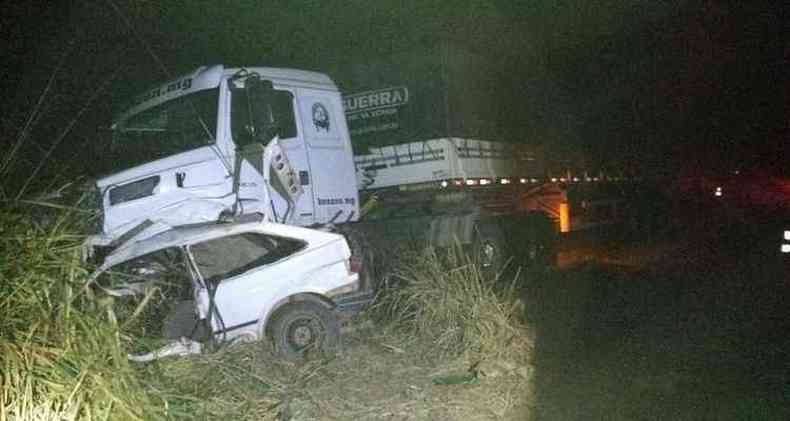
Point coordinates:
pixel 449 299
pixel 61 356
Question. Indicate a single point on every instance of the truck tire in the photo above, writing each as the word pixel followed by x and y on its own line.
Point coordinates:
pixel 535 241
pixel 489 249
pixel 303 328
pixel 538 253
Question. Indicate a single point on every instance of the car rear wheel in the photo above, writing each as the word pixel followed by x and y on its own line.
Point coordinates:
pixel 304 328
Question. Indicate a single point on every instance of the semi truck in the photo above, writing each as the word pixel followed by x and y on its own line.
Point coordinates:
pixel 415 152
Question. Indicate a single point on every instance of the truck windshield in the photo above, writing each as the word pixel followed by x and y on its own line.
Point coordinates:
pixel 179 125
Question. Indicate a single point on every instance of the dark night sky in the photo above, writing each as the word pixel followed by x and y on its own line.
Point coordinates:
pixel 644 84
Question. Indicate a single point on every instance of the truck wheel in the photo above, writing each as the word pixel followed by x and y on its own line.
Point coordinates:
pixel 302 328
pixel 536 243
pixel 489 249
pixel 538 253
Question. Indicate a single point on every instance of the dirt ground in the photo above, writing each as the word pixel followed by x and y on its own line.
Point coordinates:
pixel 379 375
pixel 390 377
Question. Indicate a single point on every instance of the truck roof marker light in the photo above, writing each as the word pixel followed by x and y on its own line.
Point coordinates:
pixel 787 235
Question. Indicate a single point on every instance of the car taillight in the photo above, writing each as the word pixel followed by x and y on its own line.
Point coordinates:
pixel 354 265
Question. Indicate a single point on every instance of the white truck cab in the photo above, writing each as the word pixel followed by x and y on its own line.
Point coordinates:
pixel 225 142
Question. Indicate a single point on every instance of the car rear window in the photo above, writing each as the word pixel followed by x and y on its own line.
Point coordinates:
pixel 233 255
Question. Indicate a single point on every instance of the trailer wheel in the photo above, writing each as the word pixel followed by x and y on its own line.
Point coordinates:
pixel 303 328
pixel 537 248
pixel 489 249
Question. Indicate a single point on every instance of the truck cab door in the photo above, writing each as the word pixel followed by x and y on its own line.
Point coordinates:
pixel 254 122
pixel 330 164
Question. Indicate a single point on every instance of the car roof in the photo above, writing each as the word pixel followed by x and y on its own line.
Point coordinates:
pixel 196 233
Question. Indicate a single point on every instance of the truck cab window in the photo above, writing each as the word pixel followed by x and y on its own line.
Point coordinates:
pixel 178 125
pixel 259 119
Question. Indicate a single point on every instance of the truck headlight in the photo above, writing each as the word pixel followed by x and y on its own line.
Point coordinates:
pixel 134 190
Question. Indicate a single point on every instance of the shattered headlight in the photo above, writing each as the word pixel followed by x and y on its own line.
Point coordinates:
pixel 135 190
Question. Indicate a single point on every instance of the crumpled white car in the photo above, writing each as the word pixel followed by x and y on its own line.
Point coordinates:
pixel 250 280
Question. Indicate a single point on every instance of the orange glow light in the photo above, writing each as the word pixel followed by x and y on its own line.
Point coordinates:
pixel 565 218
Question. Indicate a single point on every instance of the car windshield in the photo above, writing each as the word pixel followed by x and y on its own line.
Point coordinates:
pixel 178 125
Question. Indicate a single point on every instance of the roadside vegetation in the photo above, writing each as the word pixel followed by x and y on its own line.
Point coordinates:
pixel 62 357
pixel 441 342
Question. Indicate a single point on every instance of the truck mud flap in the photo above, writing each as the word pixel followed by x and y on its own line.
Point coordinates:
pixel 353 302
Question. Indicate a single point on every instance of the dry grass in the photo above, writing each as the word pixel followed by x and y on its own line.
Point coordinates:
pixel 451 300
pixel 383 374
pixel 473 323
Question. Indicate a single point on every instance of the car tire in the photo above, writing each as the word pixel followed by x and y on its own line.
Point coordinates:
pixel 304 328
